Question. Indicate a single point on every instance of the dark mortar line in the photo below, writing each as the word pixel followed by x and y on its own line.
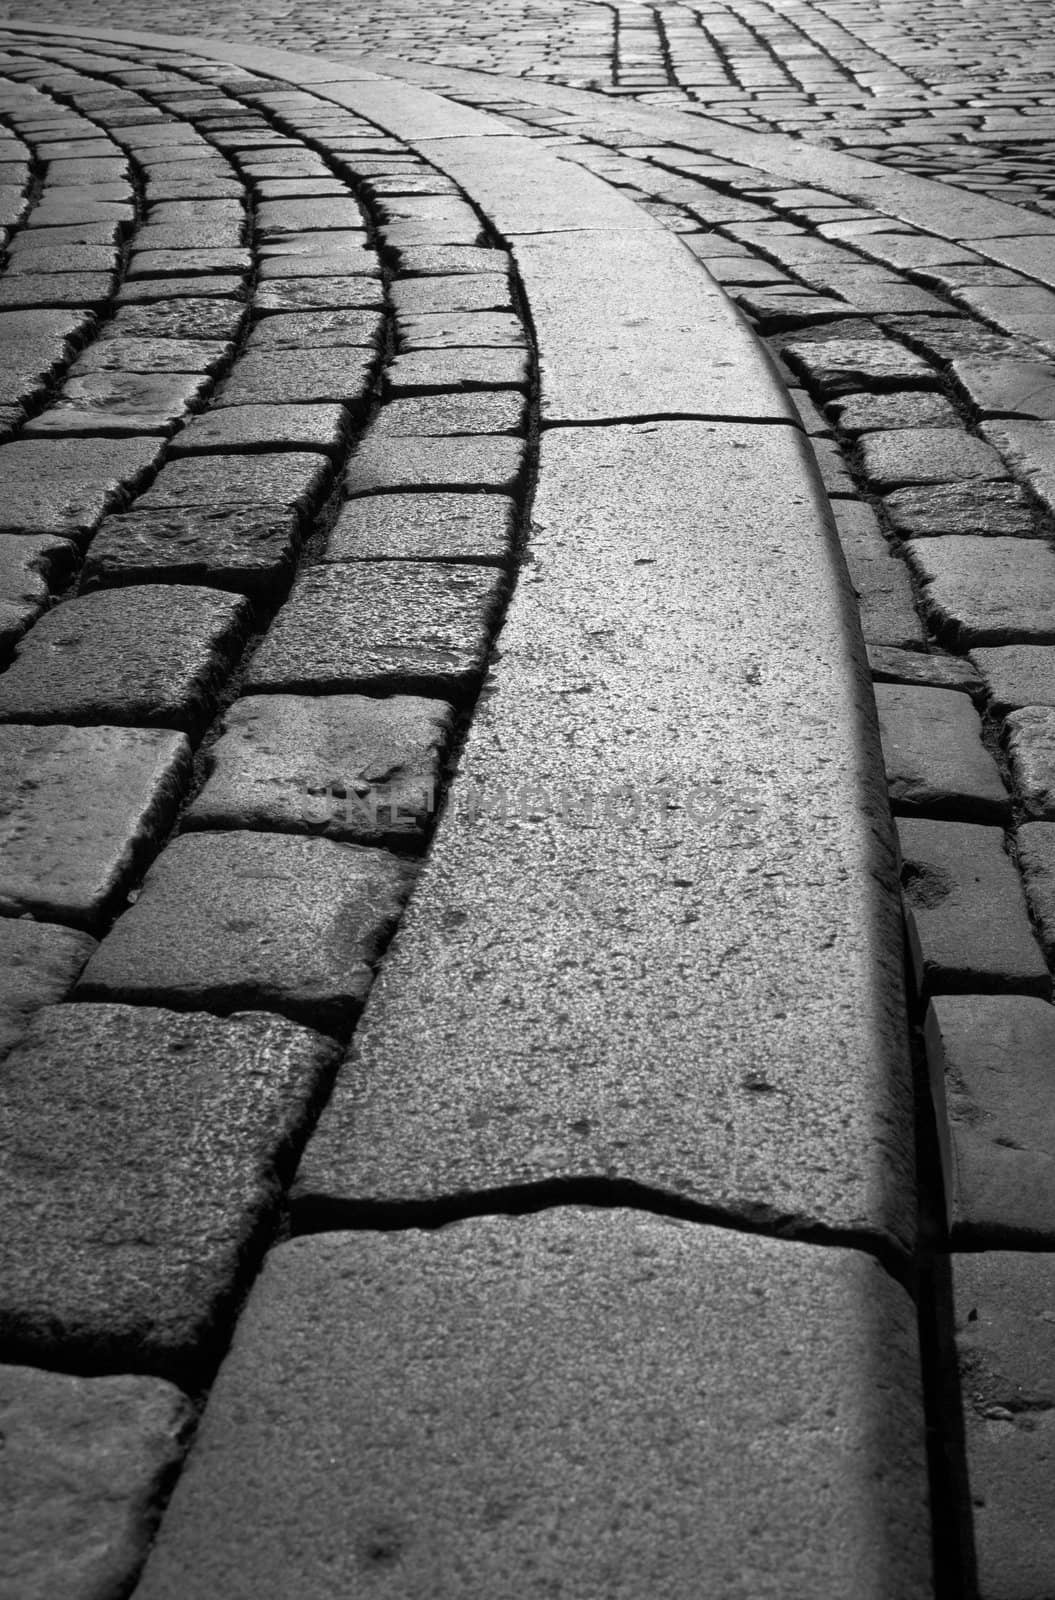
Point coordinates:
pixel 638 418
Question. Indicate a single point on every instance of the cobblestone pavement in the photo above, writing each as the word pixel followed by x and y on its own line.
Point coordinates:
pixel 320 382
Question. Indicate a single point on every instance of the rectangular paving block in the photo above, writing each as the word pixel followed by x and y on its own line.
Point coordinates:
pixel 930 510
pixel 626 956
pixel 994 1095
pixel 1018 675
pixel 132 353
pixel 494 463
pixel 250 551
pixel 936 763
pixel 424 527
pixel 65 486
pixel 411 627
pixel 39 962
pixel 450 371
pixel 225 429
pixel 1005 1335
pixel 447 415
pixel 446 330
pixel 1029 449
pixel 894 458
pixel 87 1463
pixel 987 591
pixel 968 924
pixel 359 291
pixel 316 330
pixel 286 478
pixel 342 376
pixel 344 766
pixel 1008 387
pixel 481 291
pixel 118 403
pixel 227 921
pixel 140 1186
pixel 595 1403
pixel 81 810
pixel 152 655
pixel 835 365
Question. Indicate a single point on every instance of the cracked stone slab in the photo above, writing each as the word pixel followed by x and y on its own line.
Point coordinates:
pixel 87 1463
pixel 30 569
pixel 1005 1338
pixel 418 527
pixel 492 462
pixel 533 1362
pixel 65 486
pixel 293 479
pixel 81 809
pixel 936 763
pixel 902 456
pixel 968 924
pixel 141 1184
pixel 589 973
pixel 1018 675
pixel 39 962
pixel 112 403
pixel 151 655
pixel 343 766
pixel 412 627
pixel 250 551
pixel 952 508
pixel 227 921
pixel 990 1065
pixel 343 376
pixel 995 591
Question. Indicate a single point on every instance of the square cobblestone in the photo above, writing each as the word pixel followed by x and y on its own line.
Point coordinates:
pixel 343 376
pixel 65 486
pixel 251 551
pixel 987 591
pixel 417 527
pixel 953 508
pixel 936 763
pixel 493 462
pixel 1018 675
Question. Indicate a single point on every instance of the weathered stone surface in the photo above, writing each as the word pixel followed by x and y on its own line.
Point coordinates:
pixel 952 508
pixel 1018 675
pixel 36 345
pixel 350 261
pixel 834 468
pixel 152 655
pixel 880 579
pixel 415 627
pixel 249 551
pixel 194 319
pixel 601 828
pixel 30 568
pixel 990 1065
pixel 282 478
pixel 292 216
pixel 445 330
pixel 1029 449
pixel 968 925
pixel 837 366
pixel 39 962
pixel 361 292
pixel 533 1363
pixel 139 1186
pixel 482 291
pixel 80 811
pixel 317 330
pixel 1002 388
pixel 1030 735
pixel 115 403
pixel 37 256
pixel 438 415
pixel 344 766
pixel 441 261
pixel 118 353
pixel 902 456
pixel 447 371
pixel 90 290
pixel 86 1463
pixel 185 263
pixel 939 671
pixel 987 591
pixel 218 286
pixel 909 408
pixel 265 427
pixel 1036 857
pixel 415 527
pixel 270 921
pixel 1006 1340
pixel 64 486
pixel 493 462
pixel 344 376
pixel 936 763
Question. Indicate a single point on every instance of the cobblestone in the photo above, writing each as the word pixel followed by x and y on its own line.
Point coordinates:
pixel 30 570
pixel 951 508
pixel 893 459
pixel 64 486
pixel 986 591
pixel 881 582
pixel 1018 675
pixel 1036 853
pixel 40 961
pixel 414 527
pixel 936 763
pixel 482 461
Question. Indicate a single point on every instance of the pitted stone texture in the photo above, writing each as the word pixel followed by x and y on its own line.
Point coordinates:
pixel 492 462
pixel 339 765
pixel 140 1184
pixel 265 427
pixel 39 962
pixel 450 371
pixel 159 263
pixel 52 290
pixel 30 568
pixel 218 286
pixel 120 353
pixel 1018 675
pixel 227 921
pixel 890 665
pixel 179 320
pixel 250 551
pixel 115 403
pixel 837 366
pixel 317 330
pixel 292 216
pixel 953 508
pixel 1005 1334
pixel 483 291
pixel 911 408
pixel 152 655
pixel 880 580
pixel 36 344
pixel 86 1465
pixel 987 591
pixel 351 292
pixel 292 479
pixel 585 983
pixel 1030 735
pixel 1036 857
pixel 80 811
pixel 448 330
pixel 968 926
pixel 415 627
pixel 1001 388
pixel 64 486
pixel 903 456
pixel 1029 449
pixel 994 1093
pixel 415 527
pixel 441 261
pixel 936 763
pixel 302 377
pixel 533 1363
pixel 444 415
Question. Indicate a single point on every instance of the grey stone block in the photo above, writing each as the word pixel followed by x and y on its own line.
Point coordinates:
pixel 890 665
pixel 1036 856
pixel 928 455
pixel 1029 449
pixel 491 462
pixel 994 1094
pixel 343 376
pixel 1018 675
pixel 81 809
pixel 64 486
pixel 450 371
pixel 292 216
pixel 227 921
pixel 361 291
pixel 316 330
pixel 442 415
pixel 441 261
pixel 116 403
pixel 836 365
pixel 414 627
pixel 1030 735
pixel 447 330
pixel 249 551
pixel 880 579
pixel 936 763
pixel 283 478
pixel 217 286
pixel 1000 388
pixel 339 765
pixel 39 962
pixel 152 655
pixel 190 319
pixel 87 1462
pixel 951 508
pixel 143 354
pixel 910 408
pixel 30 568
pixel 416 527
pixel 482 291
pixel 265 427
pixel 987 591
pixel 968 925
pixel 141 1184
pixel 513 1406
